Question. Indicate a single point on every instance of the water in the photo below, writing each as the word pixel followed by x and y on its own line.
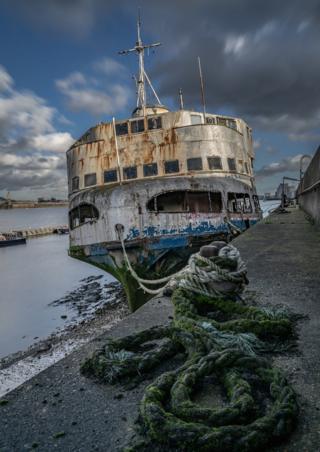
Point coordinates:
pixel 267 206
pixel 32 276
pixel 32 218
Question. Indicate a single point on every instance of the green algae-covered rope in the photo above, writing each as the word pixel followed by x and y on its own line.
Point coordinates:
pixel 187 426
pixel 125 357
pixel 225 345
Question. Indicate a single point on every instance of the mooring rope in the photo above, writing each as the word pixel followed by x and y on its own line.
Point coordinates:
pixel 197 275
pixel 211 337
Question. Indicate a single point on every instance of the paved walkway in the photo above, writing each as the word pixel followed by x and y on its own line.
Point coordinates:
pixel 59 410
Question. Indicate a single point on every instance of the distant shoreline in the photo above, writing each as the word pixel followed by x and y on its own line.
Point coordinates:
pixel 33 205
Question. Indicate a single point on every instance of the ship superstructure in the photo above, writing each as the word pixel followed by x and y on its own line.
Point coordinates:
pixel 163 182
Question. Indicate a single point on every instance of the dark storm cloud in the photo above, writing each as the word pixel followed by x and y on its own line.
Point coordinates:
pixel 10 180
pixel 259 58
pixel 74 17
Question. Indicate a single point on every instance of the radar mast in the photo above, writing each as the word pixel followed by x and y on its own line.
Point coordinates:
pixel 143 78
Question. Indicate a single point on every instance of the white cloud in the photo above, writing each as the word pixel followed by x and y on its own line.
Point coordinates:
pixel 235 44
pixel 30 145
pixel 56 142
pixel 32 162
pixel 109 66
pixel 6 80
pixel 74 79
pixel 24 111
pixel 26 121
pixel 256 144
pixel 82 93
pixel 289 164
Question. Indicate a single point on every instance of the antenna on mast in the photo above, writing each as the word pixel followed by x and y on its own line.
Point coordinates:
pixel 202 90
pixel 139 48
pixel 181 99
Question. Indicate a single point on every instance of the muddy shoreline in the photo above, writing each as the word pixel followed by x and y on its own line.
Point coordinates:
pixel 95 307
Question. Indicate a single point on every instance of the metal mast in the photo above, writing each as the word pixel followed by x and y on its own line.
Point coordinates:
pixel 139 48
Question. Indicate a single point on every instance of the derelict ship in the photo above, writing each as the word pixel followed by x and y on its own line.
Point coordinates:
pixel 162 183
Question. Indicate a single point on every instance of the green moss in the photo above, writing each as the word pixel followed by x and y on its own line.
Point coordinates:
pixel 135 295
pixel 4 402
pixel 76 252
pixel 233 428
pixel 59 435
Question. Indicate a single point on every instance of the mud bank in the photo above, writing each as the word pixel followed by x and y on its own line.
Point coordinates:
pixel 95 307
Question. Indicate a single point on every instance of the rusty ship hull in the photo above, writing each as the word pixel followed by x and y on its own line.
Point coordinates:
pixel 168 182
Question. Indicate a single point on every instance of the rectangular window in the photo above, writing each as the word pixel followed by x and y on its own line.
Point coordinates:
pixel 246 167
pixel 196 119
pixel 75 183
pixel 122 128
pixel 150 169
pixel 232 203
pixel 171 166
pixel 210 120
pixel 215 163
pixel 154 123
pixel 221 121
pixel 232 124
pixel 240 202
pixel 247 204
pixel 232 164
pixel 130 172
pixel 256 203
pixel 194 164
pixel 137 126
pixel 90 179
pixel 110 176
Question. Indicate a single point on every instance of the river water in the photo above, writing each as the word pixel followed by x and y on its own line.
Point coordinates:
pixel 34 275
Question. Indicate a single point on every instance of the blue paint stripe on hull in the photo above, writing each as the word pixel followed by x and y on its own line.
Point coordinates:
pixel 203 228
pixel 170 241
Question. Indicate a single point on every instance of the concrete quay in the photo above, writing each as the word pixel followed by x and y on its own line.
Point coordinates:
pixel 61 410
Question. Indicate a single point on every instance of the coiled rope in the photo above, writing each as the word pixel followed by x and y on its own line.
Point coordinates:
pixel 196 276
pixel 217 338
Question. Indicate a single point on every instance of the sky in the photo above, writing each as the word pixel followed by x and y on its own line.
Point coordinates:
pixel 60 74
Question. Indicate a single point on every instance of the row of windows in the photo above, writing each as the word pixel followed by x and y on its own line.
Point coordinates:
pixel 138 125
pixel 179 201
pixel 151 169
pixel 222 122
